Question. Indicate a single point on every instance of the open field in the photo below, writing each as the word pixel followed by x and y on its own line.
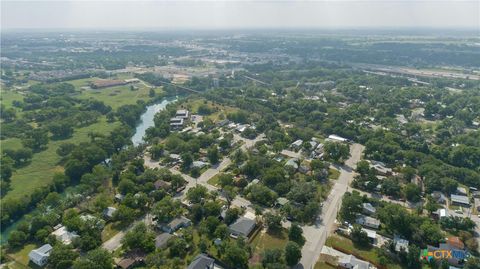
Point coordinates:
pixel 21 256
pixel 193 106
pixel 7 97
pixel 45 163
pixel 117 96
pixel 322 265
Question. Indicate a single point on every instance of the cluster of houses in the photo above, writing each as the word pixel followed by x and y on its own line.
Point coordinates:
pixel 40 255
pixel 343 260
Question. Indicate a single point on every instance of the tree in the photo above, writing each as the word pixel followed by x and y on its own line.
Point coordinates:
pixel 61 130
pixel 36 139
pixel 17 239
pixel 62 257
pixel 124 214
pixel 351 206
pixel 359 236
pixel 139 238
pixel 337 152
pixel 95 259
pixel 151 92
pixel 156 151
pixel 213 155
pixel 274 222
pixel 167 209
pixel 295 234
pixel 187 160
pixel 412 192
pixel 197 194
pixel 293 253
pixel 236 256
pixel 273 258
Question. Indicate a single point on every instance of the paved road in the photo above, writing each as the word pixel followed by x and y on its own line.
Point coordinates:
pixel 317 234
pixel 115 242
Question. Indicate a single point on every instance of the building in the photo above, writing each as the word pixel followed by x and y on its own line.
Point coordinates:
pixel 63 235
pixel 462 191
pixel 368 221
pixel 202 261
pixel 351 262
pixel 108 212
pixel 162 239
pixel 400 244
pixel 119 197
pixel 175 224
pixel 455 242
pixel 442 213
pixel 199 164
pixel 336 138
pixel 292 163
pixel 104 83
pixel 161 184
pixel 371 234
pixel 297 144
pixel 369 209
pixel 182 114
pixel 242 227
pixel 281 201
pixel 381 168
pixel 176 123
pixel 40 255
pixel 460 200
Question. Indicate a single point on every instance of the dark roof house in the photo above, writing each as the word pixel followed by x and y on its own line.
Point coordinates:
pixel 242 227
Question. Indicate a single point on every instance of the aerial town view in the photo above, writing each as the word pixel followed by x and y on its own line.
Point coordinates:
pixel 234 135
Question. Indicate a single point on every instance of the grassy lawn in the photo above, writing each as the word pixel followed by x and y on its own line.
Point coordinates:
pixel 214 180
pixel 193 105
pixel 333 173
pixel 117 96
pixel 11 143
pixel 322 265
pixel 264 241
pixel 109 231
pixel 346 245
pixel 7 97
pixel 21 256
pixel 45 163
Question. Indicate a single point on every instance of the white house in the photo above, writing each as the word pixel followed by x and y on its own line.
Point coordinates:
pixel 64 236
pixel 40 255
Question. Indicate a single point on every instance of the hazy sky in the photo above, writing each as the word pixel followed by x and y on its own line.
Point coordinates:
pixel 239 14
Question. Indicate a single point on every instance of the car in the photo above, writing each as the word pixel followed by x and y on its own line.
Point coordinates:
pixel 458 211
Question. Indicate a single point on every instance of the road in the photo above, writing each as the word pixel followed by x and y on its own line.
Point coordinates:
pixel 317 234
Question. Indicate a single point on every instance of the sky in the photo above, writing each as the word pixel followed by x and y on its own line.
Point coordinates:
pixel 172 15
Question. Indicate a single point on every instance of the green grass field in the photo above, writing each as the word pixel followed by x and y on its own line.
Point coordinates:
pixel 333 173
pixel 117 96
pixel 346 245
pixel 7 97
pixel 45 163
pixel 322 265
pixel 21 256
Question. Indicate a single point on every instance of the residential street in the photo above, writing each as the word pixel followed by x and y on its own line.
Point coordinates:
pixel 317 234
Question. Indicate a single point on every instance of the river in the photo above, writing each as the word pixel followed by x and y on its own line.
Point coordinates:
pixel 147 120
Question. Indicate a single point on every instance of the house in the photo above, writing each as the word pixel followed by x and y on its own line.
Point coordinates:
pixel 281 201
pixel 175 224
pixel 381 168
pixel 336 138
pixel 369 209
pixel 372 235
pixel 439 197
pixel 297 144
pixel 368 221
pixel 182 114
pixel 455 242
pixel 460 200
pixel 108 212
pixel 304 169
pixel 161 184
pixel 199 164
pixel 176 123
pixel 442 213
pixel 351 262
pixel 92 221
pixel 292 163
pixel 222 123
pixel 40 255
pixel 202 261
pixel 462 191
pixel 132 260
pixel 119 197
pixel 476 194
pixel 241 227
pixel 400 244
pixel 63 235
pixel 162 239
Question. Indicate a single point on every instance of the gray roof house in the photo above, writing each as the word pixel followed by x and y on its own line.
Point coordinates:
pixel 368 209
pixel 400 244
pixel 40 255
pixel 292 163
pixel 460 200
pixel 351 262
pixel 241 227
pixel 162 239
pixel 368 221
pixel 175 224
pixel 108 212
pixel 202 261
